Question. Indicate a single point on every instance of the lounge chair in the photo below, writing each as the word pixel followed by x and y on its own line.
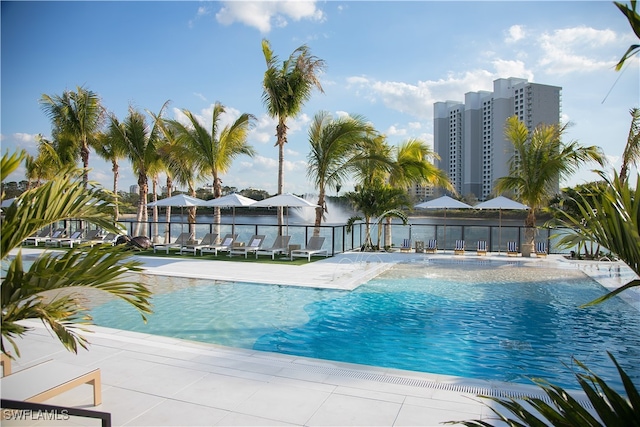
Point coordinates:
pixel 207 240
pixel 482 247
pixel 107 239
pixel 183 239
pixel 40 236
pixel 314 247
pixel 512 249
pixel 46 380
pixel 459 248
pixel 406 245
pixel 541 249
pixel 55 238
pixel 432 246
pixel 74 238
pixel 224 246
pixel 255 243
pixel 280 245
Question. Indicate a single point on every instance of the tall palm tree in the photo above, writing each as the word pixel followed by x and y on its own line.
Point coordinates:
pixel 334 153
pixel 634 20
pixel 47 289
pixel 110 147
pixel 286 88
pixel 76 117
pixel 213 150
pixel 631 153
pixel 45 165
pixel 539 162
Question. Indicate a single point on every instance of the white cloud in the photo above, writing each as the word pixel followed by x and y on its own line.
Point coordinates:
pixel 507 69
pixel 515 34
pixel 24 137
pixel 393 130
pixel 575 50
pixel 265 14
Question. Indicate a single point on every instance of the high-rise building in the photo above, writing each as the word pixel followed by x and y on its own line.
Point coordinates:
pixel 469 137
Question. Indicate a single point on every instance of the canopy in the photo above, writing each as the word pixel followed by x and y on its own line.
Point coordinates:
pixel 284 200
pixel 444 202
pixel 232 200
pixel 501 203
pixel 180 200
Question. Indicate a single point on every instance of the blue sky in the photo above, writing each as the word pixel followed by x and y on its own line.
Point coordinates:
pixel 388 61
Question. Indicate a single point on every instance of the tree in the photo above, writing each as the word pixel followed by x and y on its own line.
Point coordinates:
pixel 46 290
pixel 631 153
pixel 335 151
pixel 111 147
pixel 213 151
pixel 634 20
pixel 76 118
pixel 539 162
pixel 285 90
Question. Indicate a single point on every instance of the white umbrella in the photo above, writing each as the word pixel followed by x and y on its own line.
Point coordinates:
pixel 284 200
pixel 501 203
pixel 231 201
pixel 179 200
pixel 444 202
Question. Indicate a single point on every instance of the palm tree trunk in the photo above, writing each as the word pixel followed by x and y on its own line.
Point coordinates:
pixel 116 174
pixel 217 192
pixel 281 131
pixel 142 204
pixel 319 212
pixel 529 233
pixel 154 233
pixel 168 211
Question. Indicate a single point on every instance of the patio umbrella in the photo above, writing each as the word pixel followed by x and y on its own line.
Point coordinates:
pixel 444 202
pixel 179 200
pixel 501 203
pixel 284 200
pixel 231 201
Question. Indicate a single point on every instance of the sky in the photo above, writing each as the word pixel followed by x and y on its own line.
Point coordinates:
pixel 388 61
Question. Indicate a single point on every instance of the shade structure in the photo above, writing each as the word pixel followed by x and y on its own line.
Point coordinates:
pixel 233 201
pixel 444 202
pixel 501 203
pixel 179 200
pixel 284 200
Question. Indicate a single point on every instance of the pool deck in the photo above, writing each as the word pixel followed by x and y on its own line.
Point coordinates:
pixel 151 380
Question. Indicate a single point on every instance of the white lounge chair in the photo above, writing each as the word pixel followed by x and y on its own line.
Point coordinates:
pixel 224 246
pixel 255 243
pixel 432 246
pixel 482 247
pixel 183 239
pixel 74 238
pixel 459 248
pixel 314 247
pixel 107 239
pixel 207 240
pixel 541 249
pixel 406 245
pixel 46 380
pixel 55 238
pixel 40 236
pixel 280 245
pixel 512 249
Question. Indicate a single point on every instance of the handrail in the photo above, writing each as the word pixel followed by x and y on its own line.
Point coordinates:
pixel 42 412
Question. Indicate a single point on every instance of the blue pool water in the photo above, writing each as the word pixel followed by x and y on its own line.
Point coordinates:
pixel 493 321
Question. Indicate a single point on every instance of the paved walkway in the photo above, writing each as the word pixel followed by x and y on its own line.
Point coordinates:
pixel 157 381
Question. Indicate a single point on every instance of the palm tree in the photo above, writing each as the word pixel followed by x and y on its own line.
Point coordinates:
pixel 76 118
pixel 110 147
pixel 46 290
pixel 45 165
pixel 540 160
pixel 285 90
pixel 631 153
pixel 634 20
pixel 334 153
pixel 213 151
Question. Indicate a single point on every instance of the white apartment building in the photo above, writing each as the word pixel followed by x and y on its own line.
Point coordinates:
pixel 469 136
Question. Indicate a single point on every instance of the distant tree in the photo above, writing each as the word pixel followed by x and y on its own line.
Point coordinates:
pixel 286 87
pixel 539 162
pixel 76 118
pixel 110 147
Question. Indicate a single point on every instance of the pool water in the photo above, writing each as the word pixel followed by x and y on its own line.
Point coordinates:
pixel 492 321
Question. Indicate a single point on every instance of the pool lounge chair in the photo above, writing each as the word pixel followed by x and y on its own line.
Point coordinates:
pixel 224 246
pixel 512 249
pixel 55 238
pixel 314 247
pixel 255 243
pixel 74 238
pixel 40 236
pixel 406 245
pixel 459 248
pixel 107 239
pixel 207 240
pixel 541 249
pixel 280 246
pixel 183 239
pixel 432 246
pixel 482 247
pixel 48 379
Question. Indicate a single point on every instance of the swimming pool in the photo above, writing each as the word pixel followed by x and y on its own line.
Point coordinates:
pixel 490 320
